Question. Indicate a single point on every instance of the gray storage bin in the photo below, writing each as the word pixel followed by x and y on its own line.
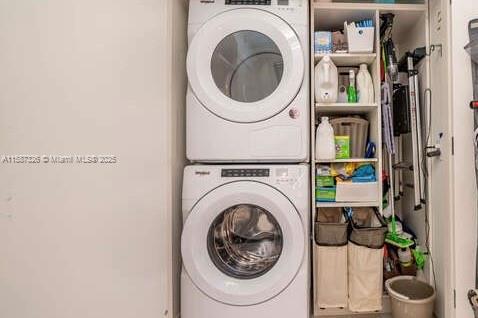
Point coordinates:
pixel 357 129
pixel 331 227
pixel 368 228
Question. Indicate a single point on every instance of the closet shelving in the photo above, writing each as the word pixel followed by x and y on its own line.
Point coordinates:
pixel 332 15
pixel 347 59
pixel 345 108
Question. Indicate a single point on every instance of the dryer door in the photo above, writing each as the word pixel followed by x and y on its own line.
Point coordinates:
pixel 245 65
pixel 243 243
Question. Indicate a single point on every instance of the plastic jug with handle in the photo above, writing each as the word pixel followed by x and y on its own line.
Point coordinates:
pixel 325 141
pixel 326 81
pixel 365 87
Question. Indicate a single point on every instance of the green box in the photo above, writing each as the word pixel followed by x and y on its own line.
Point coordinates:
pixel 325 194
pixel 342 147
pixel 324 181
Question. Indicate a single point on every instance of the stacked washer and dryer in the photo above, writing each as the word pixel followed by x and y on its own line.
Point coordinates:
pixel 246 198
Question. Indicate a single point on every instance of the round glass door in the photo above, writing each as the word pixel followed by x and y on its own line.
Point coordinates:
pixel 247 66
pixel 245 241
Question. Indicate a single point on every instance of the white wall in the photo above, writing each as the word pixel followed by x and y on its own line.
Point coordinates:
pixel 465 187
pixel 88 77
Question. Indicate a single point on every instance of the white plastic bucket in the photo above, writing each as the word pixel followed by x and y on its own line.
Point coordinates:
pixel 410 297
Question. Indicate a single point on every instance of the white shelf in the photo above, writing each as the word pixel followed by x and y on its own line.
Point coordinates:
pixel 352 108
pixel 348 59
pixel 358 160
pixel 346 204
pixel 370 6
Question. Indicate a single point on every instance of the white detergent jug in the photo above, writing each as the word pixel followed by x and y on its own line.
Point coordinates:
pixel 325 141
pixel 326 81
pixel 365 90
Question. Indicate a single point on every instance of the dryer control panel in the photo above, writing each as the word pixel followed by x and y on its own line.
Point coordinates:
pixel 280 3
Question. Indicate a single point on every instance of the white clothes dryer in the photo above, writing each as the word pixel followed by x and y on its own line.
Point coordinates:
pixel 248 93
pixel 245 243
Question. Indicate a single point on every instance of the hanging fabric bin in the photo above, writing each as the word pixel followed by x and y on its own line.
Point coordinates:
pixel 331 229
pixel 365 260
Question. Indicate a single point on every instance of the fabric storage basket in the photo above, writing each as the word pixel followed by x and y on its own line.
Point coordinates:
pixel 356 129
pixel 331 227
pixel 365 260
pixel 331 280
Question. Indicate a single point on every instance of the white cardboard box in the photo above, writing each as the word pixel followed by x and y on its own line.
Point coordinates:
pixel 357 192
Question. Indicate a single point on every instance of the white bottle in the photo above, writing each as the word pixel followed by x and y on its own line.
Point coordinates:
pixel 325 141
pixel 326 81
pixel 365 90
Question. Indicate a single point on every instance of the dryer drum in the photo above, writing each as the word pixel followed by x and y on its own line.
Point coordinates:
pixel 245 241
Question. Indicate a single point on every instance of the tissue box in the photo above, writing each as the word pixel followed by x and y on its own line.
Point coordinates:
pixel 323 42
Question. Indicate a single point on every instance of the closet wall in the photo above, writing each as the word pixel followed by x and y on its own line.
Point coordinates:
pixel 91 77
pixel 465 202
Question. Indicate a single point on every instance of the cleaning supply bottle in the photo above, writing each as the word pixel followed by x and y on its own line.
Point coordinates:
pixel 325 140
pixel 351 90
pixel 327 81
pixel 365 91
pixel 405 257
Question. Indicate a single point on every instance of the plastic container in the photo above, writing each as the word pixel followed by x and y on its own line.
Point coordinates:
pixel 326 81
pixel 357 129
pixel 410 297
pixel 365 89
pixel 360 39
pixel 325 141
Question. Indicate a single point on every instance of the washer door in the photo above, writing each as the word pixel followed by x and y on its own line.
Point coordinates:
pixel 245 65
pixel 243 243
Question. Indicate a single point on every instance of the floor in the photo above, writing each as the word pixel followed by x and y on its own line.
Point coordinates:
pixel 361 316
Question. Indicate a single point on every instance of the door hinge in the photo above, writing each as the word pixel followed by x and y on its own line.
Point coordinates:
pixel 454 298
pixel 452 146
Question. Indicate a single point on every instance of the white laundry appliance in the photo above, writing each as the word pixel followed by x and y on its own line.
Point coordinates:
pixel 245 241
pixel 248 94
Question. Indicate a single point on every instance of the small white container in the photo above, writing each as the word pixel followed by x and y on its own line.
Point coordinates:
pixel 325 141
pixel 365 89
pixel 357 192
pixel 360 39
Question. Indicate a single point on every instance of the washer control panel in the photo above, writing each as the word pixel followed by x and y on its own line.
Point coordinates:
pixel 249 2
pixel 240 173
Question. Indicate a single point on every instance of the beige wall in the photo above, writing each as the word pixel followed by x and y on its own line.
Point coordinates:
pixel 89 77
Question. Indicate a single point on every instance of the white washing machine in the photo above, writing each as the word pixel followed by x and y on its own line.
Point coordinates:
pixel 248 92
pixel 245 242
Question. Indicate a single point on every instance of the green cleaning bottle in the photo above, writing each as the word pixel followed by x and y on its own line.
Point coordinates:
pixel 351 90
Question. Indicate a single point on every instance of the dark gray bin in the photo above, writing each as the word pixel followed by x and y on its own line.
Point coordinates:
pixel 368 228
pixel 331 227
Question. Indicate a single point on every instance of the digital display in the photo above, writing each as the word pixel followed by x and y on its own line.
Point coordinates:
pixel 249 2
pixel 237 173
pixel 283 2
